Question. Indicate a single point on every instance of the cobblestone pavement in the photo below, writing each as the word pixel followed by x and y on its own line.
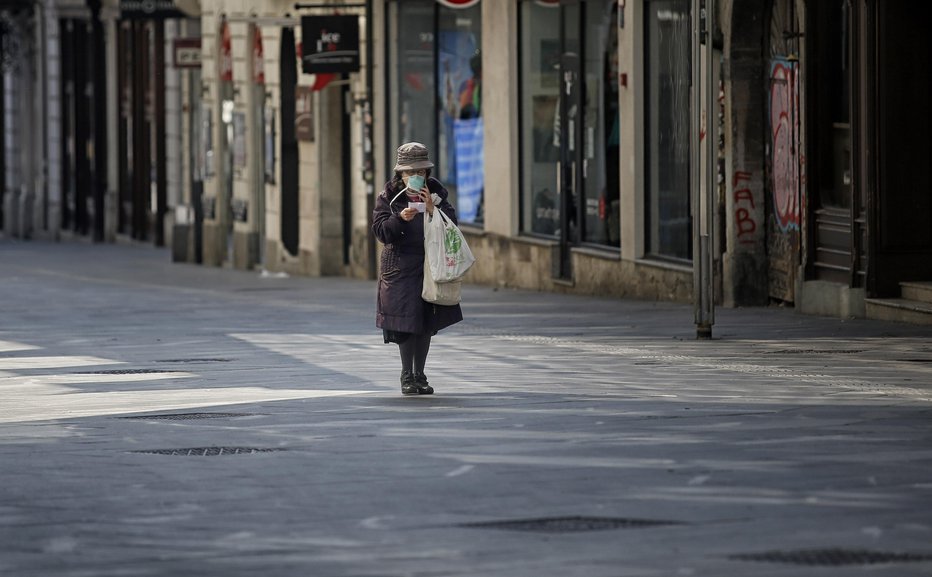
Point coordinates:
pixel 170 419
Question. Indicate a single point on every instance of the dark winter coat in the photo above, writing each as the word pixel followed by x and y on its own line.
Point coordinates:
pixel 399 307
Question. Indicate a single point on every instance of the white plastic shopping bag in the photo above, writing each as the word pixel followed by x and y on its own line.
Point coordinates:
pixel 447 293
pixel 448 255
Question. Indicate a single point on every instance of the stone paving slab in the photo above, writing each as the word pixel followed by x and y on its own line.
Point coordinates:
pixel 785 433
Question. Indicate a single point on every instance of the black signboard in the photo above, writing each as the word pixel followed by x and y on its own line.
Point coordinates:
pixel 329 44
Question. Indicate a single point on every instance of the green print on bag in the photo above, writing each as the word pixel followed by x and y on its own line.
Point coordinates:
pixel 446 252
pixel 452 243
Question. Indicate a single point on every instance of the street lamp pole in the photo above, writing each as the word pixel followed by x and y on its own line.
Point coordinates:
pixel 703 132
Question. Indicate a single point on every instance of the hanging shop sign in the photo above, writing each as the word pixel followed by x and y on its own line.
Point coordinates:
pixel 330 44
pixel 186 53
pixel 150 9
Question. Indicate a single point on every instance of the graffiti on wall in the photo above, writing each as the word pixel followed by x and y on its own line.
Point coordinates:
pixel 784 145
pixel 745 221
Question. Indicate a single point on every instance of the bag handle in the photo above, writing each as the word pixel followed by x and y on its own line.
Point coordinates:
pixel 392 201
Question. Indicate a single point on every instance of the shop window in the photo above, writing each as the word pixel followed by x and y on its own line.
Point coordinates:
pixel 540 85
pixel 667 130
pixel 435 94
pixel 549 34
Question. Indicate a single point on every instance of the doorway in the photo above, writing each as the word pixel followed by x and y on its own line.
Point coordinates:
pixel 837 214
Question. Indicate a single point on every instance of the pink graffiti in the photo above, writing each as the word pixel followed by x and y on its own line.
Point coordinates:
pixel 784 126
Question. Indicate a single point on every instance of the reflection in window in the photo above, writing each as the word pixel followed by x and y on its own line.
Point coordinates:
pixel 540 153
pixel 601 137
pixel 549 31
pixel 412 81
pixel 667 131
pixel 436 88
pixel 459 117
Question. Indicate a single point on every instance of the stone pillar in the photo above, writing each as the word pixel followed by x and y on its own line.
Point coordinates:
pixel 500 115
pixel 745 260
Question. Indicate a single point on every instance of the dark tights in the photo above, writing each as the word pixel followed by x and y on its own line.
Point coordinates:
pixel 414 352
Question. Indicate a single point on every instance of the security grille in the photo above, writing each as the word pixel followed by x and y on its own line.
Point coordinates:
pixel 832 557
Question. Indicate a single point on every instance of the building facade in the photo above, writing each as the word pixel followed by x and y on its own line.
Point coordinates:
pixel 562 128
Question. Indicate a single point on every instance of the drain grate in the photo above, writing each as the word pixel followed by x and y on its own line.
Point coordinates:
pixel 195 360
pixel 208 451
pixel 125 372
pixel 186 416
pixel 832 557
pixel 569 524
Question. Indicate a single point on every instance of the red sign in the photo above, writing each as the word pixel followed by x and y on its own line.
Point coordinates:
pixel 186 53
pixel 459 3
pixel 258 59
pixel 226 53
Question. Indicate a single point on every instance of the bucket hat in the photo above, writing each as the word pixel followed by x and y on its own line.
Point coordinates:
pixel 412 156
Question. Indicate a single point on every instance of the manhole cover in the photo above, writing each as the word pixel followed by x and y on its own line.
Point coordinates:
pixel 832 557
pixel 208 451
pixel 185 416
pixel 568 524
pixel 125 372
pixel 195 360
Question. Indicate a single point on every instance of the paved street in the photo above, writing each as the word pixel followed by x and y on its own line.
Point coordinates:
pixel 170 419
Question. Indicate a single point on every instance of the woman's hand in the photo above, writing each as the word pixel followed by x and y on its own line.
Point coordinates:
pixel 428 201
pixel 408 214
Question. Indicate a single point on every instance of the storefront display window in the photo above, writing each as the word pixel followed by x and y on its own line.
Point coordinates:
pixel 601 133
pixel 667 131
pixel 540 152
pixel 436 92
pixel 583 164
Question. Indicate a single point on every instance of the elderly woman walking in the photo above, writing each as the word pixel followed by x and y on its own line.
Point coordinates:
pixel 398 222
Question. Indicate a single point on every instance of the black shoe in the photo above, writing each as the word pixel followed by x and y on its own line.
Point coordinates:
pixel 408 385
pixel 423 388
